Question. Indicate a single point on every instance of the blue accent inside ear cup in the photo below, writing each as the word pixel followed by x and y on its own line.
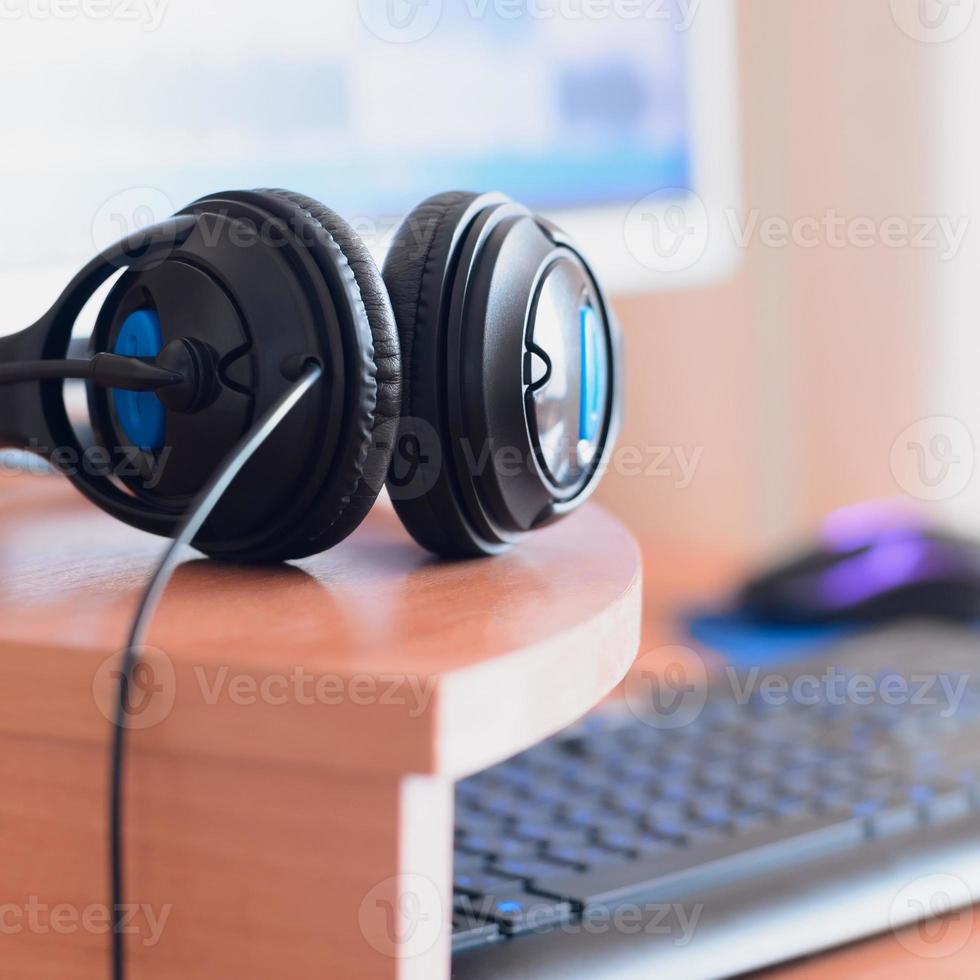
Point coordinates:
pixel 593 376
pixel 140 414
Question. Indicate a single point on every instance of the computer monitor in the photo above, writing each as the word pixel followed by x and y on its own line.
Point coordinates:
pixel 617 117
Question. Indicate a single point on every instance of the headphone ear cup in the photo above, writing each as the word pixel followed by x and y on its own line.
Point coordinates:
pixel 486 293
pixel 386 352
pixel 415 275
pixel 367 371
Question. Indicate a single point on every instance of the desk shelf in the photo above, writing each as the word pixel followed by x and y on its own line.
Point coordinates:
pixel 290 782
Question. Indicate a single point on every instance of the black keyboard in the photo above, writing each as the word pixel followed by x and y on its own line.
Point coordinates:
pixel 626 844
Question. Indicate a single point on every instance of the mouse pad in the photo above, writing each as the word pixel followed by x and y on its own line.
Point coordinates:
pixel 745 643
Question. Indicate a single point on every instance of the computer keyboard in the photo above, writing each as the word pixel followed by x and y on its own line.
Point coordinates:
pixel 766 827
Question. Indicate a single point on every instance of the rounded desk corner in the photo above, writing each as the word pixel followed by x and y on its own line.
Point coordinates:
pixel 380 658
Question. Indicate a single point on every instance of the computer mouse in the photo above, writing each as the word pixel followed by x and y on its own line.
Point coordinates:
pixel 871 564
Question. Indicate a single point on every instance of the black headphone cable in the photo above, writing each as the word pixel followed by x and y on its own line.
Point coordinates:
pixel 103 370
pixel 197 514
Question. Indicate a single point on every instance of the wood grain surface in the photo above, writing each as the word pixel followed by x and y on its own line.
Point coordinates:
pixel 293 740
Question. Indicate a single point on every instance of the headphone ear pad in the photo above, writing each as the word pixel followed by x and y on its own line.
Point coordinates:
pixel 415 276
pixel 372 377
pixel 387 355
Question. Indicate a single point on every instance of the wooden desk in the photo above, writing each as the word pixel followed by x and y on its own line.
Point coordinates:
pixel 289 790
pixel 279 834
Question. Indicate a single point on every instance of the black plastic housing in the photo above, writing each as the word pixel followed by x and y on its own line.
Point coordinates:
pixel 478 480
pixel 241 278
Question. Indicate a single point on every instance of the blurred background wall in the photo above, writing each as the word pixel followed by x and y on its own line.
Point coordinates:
pixel 796 376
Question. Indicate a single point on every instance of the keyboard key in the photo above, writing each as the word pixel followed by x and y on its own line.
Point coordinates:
pixel 485 883
pixel 526 871
pixel 948 801
pixel 748 821
pixel 791 808
pixel 888 821
pixel 497 848
pixel 744 854
pixel 534 832
pixel 477 825
pixel 517 913
pixel 468 863
pixel 477 844
pixel 670 829
pixel 584 818
pixel 559 854
pixel 756 793
pixel 717 775
pixel 762 762
pixel 800 783
pixel 620 840
pixel 469 932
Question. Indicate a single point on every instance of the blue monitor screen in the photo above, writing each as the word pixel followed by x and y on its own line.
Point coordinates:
pixel 370 105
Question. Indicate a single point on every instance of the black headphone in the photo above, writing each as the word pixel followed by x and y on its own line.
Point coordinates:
pixel 478 374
